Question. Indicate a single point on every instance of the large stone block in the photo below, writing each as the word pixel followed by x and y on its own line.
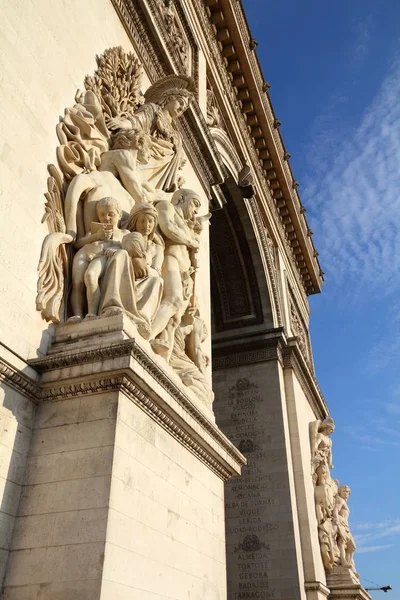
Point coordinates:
pixel 123 493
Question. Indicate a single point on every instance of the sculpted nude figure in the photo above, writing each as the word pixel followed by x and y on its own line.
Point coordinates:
pixel 90 261
pixel 177 222
pixel 344 538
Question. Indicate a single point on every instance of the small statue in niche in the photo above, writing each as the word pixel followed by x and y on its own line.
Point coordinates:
pixel 90 261
pixel 343 537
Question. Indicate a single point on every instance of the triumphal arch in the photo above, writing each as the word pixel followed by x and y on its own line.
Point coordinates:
pixel 163 435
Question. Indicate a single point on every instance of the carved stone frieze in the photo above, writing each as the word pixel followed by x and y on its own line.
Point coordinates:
pixel 213 114
pixel 175 32
pixel 18 381
pixel 299 331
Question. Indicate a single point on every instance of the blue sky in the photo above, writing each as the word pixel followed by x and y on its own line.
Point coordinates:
pixel 334 68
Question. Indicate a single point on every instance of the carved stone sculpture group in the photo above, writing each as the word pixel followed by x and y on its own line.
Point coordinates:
pixel 124 233
pixel 335 538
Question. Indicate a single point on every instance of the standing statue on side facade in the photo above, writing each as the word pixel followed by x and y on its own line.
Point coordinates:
pixel 324 487
pixel 343 537
pixel 324 495
pixel 321 444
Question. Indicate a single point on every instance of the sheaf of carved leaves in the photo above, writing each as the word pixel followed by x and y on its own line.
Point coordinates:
pixel 117 82
pixel 54 213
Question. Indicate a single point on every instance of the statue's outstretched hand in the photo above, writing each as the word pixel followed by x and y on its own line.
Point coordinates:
pixel 114 123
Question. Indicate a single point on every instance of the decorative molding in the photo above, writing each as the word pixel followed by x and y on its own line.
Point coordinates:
pixel 316 586
pixel 269 259
pixel 179 43
pixel 293 359
pixel 220 64
pixel 125 383
pixel 244 358
pixel 249 350
pixel 22 384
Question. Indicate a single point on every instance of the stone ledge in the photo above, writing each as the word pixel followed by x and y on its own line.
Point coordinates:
pixel 110 362
pixel 316 586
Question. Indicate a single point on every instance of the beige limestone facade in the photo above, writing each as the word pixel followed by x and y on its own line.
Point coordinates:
pixel 163 435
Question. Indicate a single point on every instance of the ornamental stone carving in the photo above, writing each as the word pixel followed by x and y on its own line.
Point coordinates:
pixel 175 31
pixel 299 331
pixel 124 233
pixel 336 541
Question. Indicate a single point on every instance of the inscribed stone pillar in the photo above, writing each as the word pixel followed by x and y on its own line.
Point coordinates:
pixel 263 550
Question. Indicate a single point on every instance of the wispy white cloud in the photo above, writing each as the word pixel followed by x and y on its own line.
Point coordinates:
pixel 364 550
pixel 362 39
pixel 372 437
pixel 366 533
pixel 355 201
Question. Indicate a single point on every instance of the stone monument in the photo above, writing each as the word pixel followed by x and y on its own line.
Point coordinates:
pixel 125 473
pixel 156 353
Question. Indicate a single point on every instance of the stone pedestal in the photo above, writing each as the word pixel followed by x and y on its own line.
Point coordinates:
pixel 123 496
pixel 343 583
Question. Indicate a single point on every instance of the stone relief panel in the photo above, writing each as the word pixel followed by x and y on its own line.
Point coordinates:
pixel 213 115
pixel 336 541
pixel 124 232
pixel 175 32
pixel 300 331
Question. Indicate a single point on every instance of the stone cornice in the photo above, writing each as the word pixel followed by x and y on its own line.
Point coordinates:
pixel 349 591
pixel 237 57
pixel 293 359
pixel 250 348
pixel 185 422
pixel 316 586
pixel 13 378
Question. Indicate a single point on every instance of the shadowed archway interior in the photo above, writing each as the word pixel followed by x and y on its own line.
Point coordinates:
pixel 237 299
